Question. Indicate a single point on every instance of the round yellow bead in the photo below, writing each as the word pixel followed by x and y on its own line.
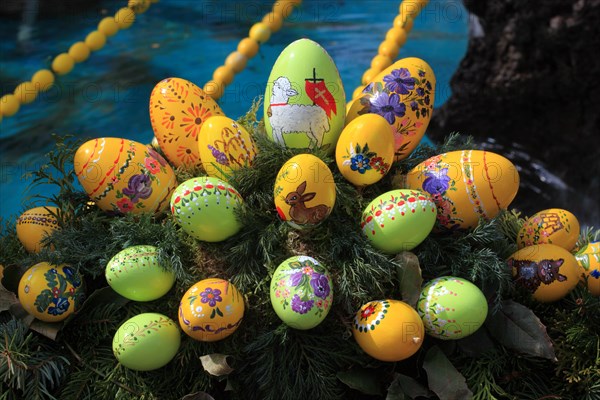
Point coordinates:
pixel 9 105
pixel 108 26
pixel 139 6
pixel 214 89
pixel 273 21
pixel 95 40
pixel 63 64
pixel 380 62
pixel 236 61
pixel 26 92
pixel 398 35
pixel 389 49
pixel 260 32
pixel 405 23
pixel 357 92
pixel 223 74
pixel 369 75
pixel 43 80
pixel 283 8
pixel 125 17
pixel 79 52
pixel 248 47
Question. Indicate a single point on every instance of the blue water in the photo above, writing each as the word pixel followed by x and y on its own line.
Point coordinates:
pixel 108 94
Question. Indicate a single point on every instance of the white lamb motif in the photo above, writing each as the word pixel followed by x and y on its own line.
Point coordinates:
pixel 288 118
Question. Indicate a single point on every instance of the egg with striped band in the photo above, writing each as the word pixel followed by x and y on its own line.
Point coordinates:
pixel 466 185
pixel 588 258
pixel 123 176
pixel 34 225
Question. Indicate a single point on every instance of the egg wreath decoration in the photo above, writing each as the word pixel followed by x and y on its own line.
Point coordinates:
pixel 111 338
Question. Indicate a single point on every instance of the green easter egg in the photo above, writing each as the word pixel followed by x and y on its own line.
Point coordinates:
pixel 205 208
pixel 305 103
pixel 451 308
pixel 146 342
pixel 399 220
pixel 301 292
pixel 137 274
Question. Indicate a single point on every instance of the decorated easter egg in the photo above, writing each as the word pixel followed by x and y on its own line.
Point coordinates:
pixel 146 342
pixel 211 310
pixel 466 185
pixel 34 225
pixel 398 220
pixel 553 226
pixel 178 109
pixel 123 176
pixel 138 274
pixel 547 271
pixel 304 191
pixel 588 258
pixel 365 150
pixel 304 98
pixel 205 208
pixel 388 330
pixel 403 94
pixel 225 146
pixel 452 308
pixel 301 292
pixel 51 293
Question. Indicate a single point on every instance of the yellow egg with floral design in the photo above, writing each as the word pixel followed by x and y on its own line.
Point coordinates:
pixel 588 258
pixel 466 185
pixel 51 293
pixel 388 330
pixel 34 225
pixel 211 310
pixel 178 109
pixel 403 94
pixel 365 150
pixel 552 226
pixel 123 176
pixel 225 146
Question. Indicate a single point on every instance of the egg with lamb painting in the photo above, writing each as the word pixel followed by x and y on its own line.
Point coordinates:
pixel 301 292
pixel 305 101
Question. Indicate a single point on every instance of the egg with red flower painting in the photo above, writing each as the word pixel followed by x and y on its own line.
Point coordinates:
pixel 211 310
pixel 398 220
pixel 123 176
pixel 178 109
pixel 206 208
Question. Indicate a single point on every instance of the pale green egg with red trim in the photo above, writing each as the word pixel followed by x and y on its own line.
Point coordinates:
pixel 466 185
pixel 146 342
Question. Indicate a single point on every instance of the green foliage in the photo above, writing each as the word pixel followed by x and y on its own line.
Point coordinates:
pixel 271 360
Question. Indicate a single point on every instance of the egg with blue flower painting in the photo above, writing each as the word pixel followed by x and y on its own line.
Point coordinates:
pixel 122 176
pixel 51 293
pixel 588 258
pixel 211 310
pixel 403 94
pixel 301 292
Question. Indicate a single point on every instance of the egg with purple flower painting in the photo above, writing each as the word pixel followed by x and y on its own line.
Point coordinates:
pixel 225 146
pixel 301 292
pixel 403 94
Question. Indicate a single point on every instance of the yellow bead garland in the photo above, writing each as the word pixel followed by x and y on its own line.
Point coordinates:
pixel 394 39
pixel 248 47
pixel 62 64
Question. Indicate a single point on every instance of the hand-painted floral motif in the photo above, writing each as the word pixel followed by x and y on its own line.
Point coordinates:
pixel 362 159
pixel 55 299
pixel 370 315
pixel 388 106
pixel 211 296
pixel 139 187
pixel 301 306
pixel 401 82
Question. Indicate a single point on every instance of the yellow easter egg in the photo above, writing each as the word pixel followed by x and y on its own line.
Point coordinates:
pixel 304 191
pixel 388 330
pixel 123 176
pixel 403 94
pixel 34 225
pixel 225 146
pixel 211 310
pixel 547 271
pixel 466 185
pixel 588 258
pixel 553 226
pixel 178 108
pixel 50 293
pixel 365 150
